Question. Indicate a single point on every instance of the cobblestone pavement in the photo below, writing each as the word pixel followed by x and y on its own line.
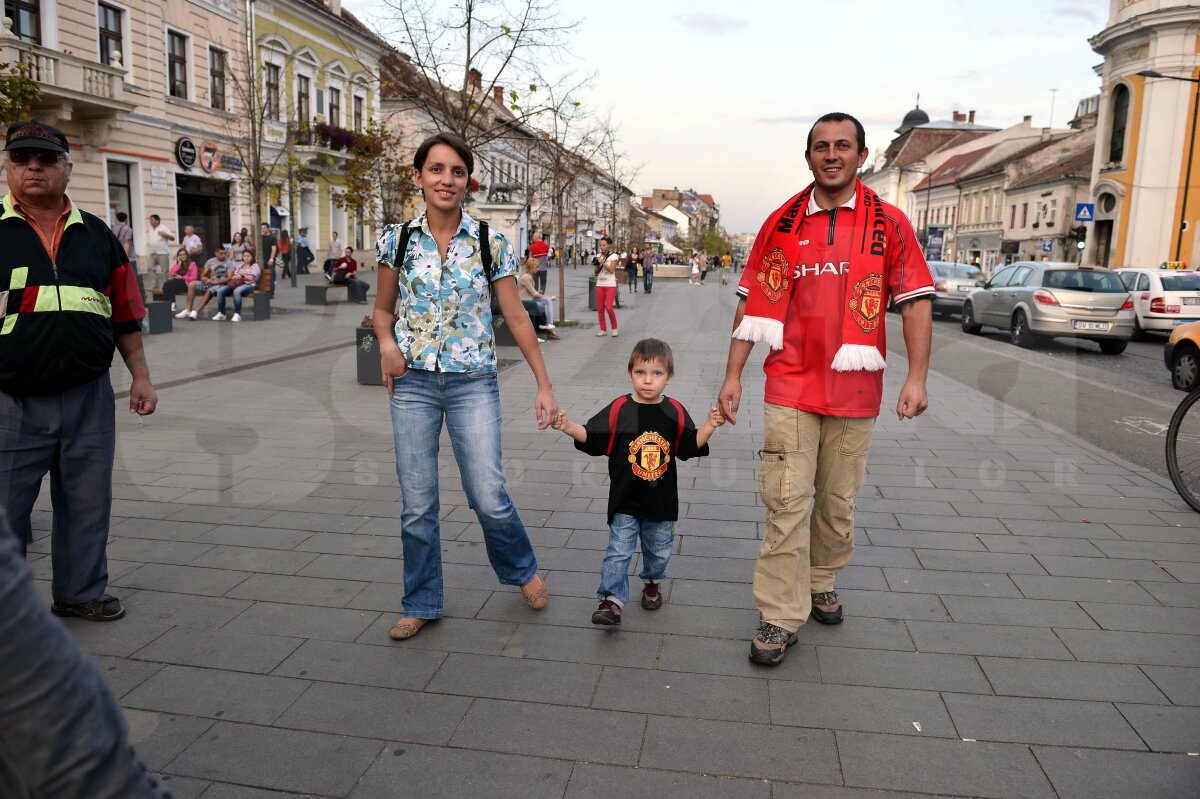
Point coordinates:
pixel 1023 610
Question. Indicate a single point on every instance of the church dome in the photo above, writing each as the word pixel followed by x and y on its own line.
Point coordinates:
pixel 912 119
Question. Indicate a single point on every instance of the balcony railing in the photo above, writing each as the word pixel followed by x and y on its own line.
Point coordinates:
pixel 68 77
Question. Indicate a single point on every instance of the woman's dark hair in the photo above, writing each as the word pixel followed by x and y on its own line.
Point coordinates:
pixel 451 140
pixel 838 116
pixel 653 349
pixel 283 234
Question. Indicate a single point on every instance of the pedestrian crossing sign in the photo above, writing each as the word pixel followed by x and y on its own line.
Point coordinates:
pixel 1085 212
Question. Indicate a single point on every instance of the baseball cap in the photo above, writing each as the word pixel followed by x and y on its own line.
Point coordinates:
pixel 34 135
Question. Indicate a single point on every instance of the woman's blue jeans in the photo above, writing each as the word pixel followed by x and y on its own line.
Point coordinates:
pixel 470 405
pixel 658 538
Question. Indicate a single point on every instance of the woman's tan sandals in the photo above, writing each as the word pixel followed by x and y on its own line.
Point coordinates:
pixel 536 593
pixel 407 628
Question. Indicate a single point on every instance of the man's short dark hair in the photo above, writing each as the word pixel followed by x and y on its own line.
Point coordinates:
pixel 155 217
pixel 838 116
pixel 652 349
pixel 606 238
pixel 452 140
pixel 122 216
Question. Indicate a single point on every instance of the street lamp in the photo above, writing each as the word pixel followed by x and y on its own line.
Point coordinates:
pixel 1187 174
pixel 928 173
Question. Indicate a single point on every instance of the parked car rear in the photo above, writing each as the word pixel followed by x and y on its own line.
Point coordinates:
pixel 1163 299
pixel 952 283
pixel 1036 300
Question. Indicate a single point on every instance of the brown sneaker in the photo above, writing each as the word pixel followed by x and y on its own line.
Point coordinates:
pixel 609 612
pixel 106 608
pixel 829 599
pixel 651 597
pixel 777 641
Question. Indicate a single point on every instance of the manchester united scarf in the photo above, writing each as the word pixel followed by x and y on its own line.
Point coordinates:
pixel 777 251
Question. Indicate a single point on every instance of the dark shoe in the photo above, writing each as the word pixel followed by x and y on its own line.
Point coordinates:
pixel 826 616
pixel 106 608
pixel 770 634
pixel 608 613
pixel 551 335
pixel 651 596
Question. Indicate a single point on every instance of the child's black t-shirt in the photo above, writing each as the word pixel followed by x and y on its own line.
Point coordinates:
pixel 642 464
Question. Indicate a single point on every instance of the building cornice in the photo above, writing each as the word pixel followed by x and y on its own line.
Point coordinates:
pixel 1140 26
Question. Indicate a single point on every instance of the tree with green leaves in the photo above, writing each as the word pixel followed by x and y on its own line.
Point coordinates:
pixel 18 92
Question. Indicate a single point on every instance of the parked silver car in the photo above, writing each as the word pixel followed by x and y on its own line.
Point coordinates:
pixel 952 283
pixel 1033 300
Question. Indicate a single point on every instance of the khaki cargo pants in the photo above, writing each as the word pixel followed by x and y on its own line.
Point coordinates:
pixel 812 468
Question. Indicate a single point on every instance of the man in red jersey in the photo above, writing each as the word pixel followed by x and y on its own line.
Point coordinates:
pixel 816 287
pixel 540 252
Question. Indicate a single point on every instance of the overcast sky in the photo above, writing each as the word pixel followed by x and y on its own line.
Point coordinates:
pixel 719 96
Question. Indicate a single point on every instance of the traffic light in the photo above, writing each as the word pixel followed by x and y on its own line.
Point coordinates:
pixel 1079 233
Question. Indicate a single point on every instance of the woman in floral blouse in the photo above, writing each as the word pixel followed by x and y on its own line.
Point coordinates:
pixel 439 365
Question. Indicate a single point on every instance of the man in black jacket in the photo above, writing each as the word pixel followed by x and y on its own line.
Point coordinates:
pixel 68 296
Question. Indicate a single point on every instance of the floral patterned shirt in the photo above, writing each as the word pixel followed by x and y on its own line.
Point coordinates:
pixel 445 307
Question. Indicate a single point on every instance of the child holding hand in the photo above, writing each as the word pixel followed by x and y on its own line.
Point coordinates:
pixel 643 434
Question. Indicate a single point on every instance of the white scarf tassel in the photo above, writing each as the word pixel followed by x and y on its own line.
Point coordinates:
pixel 858 358
pixel 760 328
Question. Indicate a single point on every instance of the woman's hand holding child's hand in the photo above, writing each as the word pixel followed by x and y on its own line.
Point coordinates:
pixel 559 421
pixel 714 416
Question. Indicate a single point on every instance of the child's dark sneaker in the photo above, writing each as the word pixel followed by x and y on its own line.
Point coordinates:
pixel 651 596
pixel 609 612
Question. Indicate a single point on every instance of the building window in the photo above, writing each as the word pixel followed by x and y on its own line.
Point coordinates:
pixel 120 190
pixel 358 114
pixel 271 96
pixel 108 20
pixel 25 17
pixel 335 106
pixel 1120 120
pixel 177 65
pixel 216 78
pixel 1024 215
pixel 1012 216
pixel 1053 213
pixel 303 114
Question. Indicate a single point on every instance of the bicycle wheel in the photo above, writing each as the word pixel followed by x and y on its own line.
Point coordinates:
pixel 1183 449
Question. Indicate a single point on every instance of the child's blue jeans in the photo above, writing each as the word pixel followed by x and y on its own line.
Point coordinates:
pixel 658 538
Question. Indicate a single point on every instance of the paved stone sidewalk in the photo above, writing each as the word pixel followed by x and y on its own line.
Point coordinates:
pixel 1023 611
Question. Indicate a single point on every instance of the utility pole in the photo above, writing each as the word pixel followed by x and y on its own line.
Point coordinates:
pixel 1050 124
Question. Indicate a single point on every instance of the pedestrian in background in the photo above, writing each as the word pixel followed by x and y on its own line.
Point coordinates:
pixel 304 253
pixel 825 329
pixel 726 265
pixel 540 251
pixel 269 247
pixel 648 269
pixel 631 267
pixel 285 253
pixel 336 250
pixel 159 240
pixel 124 233
pixel 605 264
pixel 643 434
pixel 56 398
pixel 194 246
pixel 440 369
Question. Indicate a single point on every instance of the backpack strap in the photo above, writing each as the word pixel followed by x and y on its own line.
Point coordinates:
pixel 614 411
pixel 485 250
pixel 679 414
pixel 405 235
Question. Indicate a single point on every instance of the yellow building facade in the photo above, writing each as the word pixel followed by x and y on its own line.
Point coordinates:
pixel 155 98
pixel 1146 169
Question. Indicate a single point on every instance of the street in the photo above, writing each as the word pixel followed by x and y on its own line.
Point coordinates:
pixel 1121 403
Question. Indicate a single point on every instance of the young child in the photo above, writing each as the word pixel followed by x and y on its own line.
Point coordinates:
pixel 643 434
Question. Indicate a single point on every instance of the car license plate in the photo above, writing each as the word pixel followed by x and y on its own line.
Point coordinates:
pixel 1178 322
pixel 965 289
pixel 1090 325
pixel 1191 300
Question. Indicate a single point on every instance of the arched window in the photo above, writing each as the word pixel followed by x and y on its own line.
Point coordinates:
pixel 1120 119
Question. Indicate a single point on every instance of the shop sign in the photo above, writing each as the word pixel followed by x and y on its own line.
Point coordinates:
pixel 232 163
pixel 185 153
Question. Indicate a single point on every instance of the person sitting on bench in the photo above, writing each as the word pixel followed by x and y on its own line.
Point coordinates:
pixel 344 274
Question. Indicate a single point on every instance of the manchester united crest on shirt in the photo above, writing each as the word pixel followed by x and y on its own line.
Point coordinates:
pixel 866 302
pixel 649 455
pixel 773 277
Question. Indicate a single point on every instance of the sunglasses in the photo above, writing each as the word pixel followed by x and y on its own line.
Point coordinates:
pixel 44 157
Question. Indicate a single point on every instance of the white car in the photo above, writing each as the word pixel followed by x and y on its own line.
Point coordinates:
pixel 1163 299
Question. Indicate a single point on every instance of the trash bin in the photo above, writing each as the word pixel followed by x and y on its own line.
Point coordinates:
pixel 591 293
pixel 370 371
pixel 159 318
